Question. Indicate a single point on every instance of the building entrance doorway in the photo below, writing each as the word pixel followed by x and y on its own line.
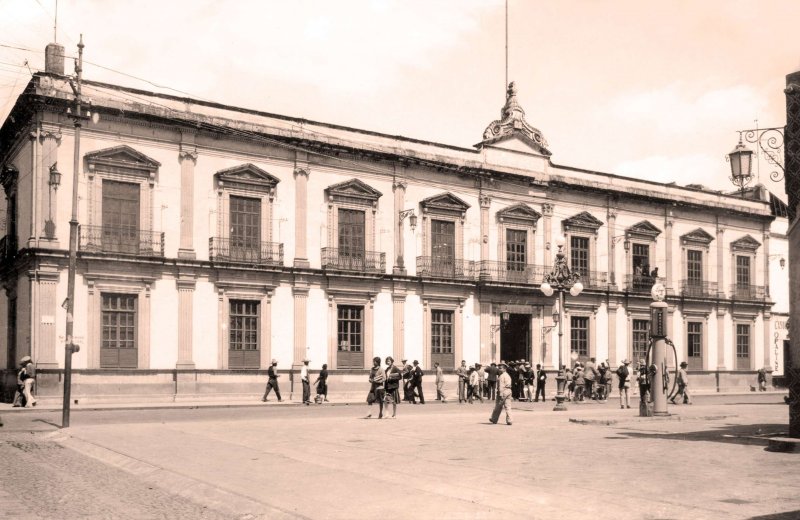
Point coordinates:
pixel 515 338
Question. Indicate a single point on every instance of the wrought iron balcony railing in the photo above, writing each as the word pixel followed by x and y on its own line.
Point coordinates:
pixel 747 292
pixel 121 239
pixel 510 272
pixel 641 283
pixel 350 260
pixel 452 268
pixel 698 289
pixel 593 279
pixel 8 248
pixel 243 252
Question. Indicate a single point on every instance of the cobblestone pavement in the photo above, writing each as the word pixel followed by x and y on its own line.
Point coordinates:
pixel 43 480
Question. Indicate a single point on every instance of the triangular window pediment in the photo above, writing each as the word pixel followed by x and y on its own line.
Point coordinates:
pixel 746 243
pixel 519 213
pixel 246 176
pixel 444 203
pixel 354 188
pixel 583 221
pixel 698 236
pixel 643 230
pixel 123 158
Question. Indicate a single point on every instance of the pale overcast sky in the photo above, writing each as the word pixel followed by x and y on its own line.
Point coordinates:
pixel 653 90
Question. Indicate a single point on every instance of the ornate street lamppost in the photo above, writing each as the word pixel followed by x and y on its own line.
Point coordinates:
pixel 561 280
pixel 769 141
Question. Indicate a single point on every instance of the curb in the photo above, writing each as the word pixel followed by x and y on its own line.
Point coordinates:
pixel 659 418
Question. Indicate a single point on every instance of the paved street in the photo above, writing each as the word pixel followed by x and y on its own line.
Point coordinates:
pixel 433 461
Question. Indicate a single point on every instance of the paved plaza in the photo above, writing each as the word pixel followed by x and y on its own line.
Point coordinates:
pixel 434 461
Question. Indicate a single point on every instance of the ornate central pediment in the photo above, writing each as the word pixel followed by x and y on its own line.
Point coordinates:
pixel 746 244
pixel 583 221
pixel 521 213
pixel 512 125
pixel 355 191
pixel 122 159
pixel 698 237
pixel 444 203
pixel 248 177
pixel 643 230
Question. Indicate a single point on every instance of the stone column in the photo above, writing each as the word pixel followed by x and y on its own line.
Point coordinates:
pixel 721 339
pixel 399 188
pixel 187 157
pixel 669 220
pixel 485 202
pixel 721 289
pixel 765 249
pixel 398 328
pixel 487 338
pixel 185 286
pixel 300 222
pixel 547 215
pixel 300 291
pixel 612 334
pixel 766 321
pixel 47 212
pixel 612 245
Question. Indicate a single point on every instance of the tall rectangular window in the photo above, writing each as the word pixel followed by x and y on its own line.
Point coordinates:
pixel 118 349
pixel 579 335
pixel 639 339
pixel 243 351
pixel 694 266
pixel 579 254
pixel 742 271
pixel 245 220
pixel 120 229
pixel 442 338
pixel 351 233
pixel 641 259
pixel 516 249
pixel 443 248
pixel 350 336
pixel 742 346
pixel 694 345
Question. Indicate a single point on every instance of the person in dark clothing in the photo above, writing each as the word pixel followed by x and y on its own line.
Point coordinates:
pixel 512 373
pixel 322 384
pixel 392 384
pixel 541 381
pixel 408 389
pixel 272 381
pixel 416 381
pixel 491 378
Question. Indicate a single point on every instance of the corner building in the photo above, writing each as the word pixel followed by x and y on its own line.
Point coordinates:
pixel 215 238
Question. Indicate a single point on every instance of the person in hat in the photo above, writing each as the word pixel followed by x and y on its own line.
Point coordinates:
pixel 475 384
pixel 541 383
pixel 377 392
pixel 272 381
pixel 440 395
pixel 643 380
pixel 26 376
pixel 491 380
pixel 624 374
pixel 416 382
pixel 683 385
pixel 306 383
pixel 322 384
pixel 529 380
pixel 393 377
pixel 463 381
pixel 503 402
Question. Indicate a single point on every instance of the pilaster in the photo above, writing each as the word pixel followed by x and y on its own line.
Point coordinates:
pixel 300 292
pixel 301 173
pixel 547 216
pixel 721 289
pixel 486 340
pixel 185 286
pixel 765 249
pixel 44 281
pixel 612 334
pixel 669 220
pixel 485 202
pixel 45 152
pixel 187 157
pixel 398 326
pixel 399 187
pixel 612 256
pixel 766 322
pixel 721 339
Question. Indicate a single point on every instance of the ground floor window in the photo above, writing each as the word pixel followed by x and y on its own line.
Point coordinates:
pixel 742 346
pixel 243 351
pixel 579 336
pixel 350 336
pixel 442 338
pixel 639 339
pixel 694 345
pixel 118 349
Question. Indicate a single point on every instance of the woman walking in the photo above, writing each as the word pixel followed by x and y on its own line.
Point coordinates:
pixel 322 385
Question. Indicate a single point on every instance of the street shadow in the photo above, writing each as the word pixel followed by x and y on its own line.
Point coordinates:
pixel 743 434
pixel 776 403
pixel 788 515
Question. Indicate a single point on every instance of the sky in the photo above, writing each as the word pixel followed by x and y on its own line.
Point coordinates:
pixel 654 90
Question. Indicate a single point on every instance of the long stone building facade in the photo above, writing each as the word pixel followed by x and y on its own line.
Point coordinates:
pixel 214 239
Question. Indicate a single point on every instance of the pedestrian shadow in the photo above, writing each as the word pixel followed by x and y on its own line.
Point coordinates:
pixel 788 515
pixel 742 434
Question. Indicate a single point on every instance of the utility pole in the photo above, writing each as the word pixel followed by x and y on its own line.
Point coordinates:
pixel 69 347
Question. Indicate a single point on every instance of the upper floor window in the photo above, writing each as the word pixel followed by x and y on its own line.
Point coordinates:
pixel 352 206
pixel 742 270
pixel 516 249
pixel 245 219
pixel 579 254
pixel 641 259
pixel 694 266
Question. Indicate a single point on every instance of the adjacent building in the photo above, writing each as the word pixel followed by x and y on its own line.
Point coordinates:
pixel 215 238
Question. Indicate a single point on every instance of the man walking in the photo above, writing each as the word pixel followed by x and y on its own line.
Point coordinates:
pixel 416 381
pixel 590 375
pixel 306 382
pixel 624 374
pixel 683 385
pixel 462 374
pixel 503 401
pixel 541 382
pixel 439 383
pixel 272 381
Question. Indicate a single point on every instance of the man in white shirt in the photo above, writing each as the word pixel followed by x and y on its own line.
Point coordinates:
pixel 503 401
pixel 306 382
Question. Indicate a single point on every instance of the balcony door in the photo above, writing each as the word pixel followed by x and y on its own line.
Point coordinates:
pixel 351 239
pixel 516 255
pixel 120 230
pixel 443 247
pixel 245 237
